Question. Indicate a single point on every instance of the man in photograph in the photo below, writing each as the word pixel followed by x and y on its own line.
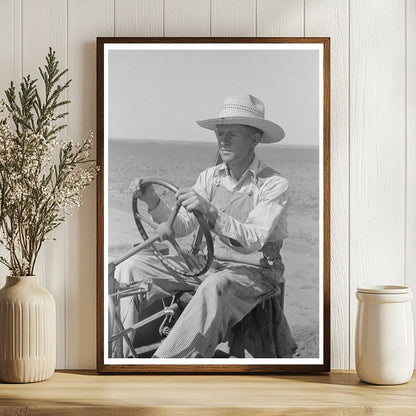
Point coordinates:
pixel 245 203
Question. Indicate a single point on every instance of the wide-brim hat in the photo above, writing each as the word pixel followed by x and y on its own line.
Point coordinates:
pixel 247 110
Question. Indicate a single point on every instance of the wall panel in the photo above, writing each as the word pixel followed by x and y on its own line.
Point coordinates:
pixel 280 18
pixel 10 66
pixel 87 19
pixel 138 17
pixel 233 18
pixel 6 45
pixel 187 18
pixel 330 18
pixel 411 149
pixel 10 44
pixel 377 153
pixel 373 129
pixel 44 25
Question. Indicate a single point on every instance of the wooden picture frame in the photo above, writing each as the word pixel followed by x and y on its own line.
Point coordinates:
pixel 125 65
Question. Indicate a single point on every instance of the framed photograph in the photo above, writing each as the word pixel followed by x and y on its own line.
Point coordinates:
pixel 213 205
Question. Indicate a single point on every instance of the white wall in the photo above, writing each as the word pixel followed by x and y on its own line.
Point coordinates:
pixel 373 132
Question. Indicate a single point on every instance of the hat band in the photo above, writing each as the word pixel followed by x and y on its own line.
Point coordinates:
pixel 240 110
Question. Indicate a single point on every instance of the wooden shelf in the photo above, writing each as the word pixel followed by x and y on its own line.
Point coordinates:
pixel 86 393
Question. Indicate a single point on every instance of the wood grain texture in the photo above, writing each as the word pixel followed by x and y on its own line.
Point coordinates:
pixel 233 18
pixel 330 18
pixel 377 152
pixel 44 25
pixel 280 18
pixel 100 202
pixel 187 18
pixel 138 18
pixel 86 19
pixel 86 393
pixel 411 150
pixel 326 151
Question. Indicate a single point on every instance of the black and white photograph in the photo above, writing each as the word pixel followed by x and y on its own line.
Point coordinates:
pixel 213 205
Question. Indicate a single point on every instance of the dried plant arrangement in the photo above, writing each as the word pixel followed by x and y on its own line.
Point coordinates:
pixel 42 175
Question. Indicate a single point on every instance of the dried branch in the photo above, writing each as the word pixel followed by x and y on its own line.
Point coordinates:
pixel 37 191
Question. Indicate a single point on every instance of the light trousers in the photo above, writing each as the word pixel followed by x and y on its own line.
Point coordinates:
pixel 224 295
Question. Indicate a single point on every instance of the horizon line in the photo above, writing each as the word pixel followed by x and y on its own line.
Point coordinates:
pixel 204 142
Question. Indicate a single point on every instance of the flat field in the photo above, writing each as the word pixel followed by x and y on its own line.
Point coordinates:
pixel 181 162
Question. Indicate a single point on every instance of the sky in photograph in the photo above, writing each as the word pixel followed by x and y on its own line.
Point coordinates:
pixel 159 94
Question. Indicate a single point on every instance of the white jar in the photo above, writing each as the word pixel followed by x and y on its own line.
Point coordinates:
pixel 384 338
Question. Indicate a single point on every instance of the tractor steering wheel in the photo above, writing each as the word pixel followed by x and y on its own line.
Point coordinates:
pixel 164 231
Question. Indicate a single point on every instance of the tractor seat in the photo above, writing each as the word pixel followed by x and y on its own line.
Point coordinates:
pixel 256 335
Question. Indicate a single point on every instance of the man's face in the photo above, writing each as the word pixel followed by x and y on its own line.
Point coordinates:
pixel 235 142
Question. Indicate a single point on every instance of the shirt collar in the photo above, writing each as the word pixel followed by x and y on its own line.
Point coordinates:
pixel 254 169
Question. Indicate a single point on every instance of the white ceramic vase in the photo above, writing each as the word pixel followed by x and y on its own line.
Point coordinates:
pixel 384 341
pixel 27 331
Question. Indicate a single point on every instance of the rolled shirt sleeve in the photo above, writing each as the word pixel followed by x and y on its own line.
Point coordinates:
pixel 273 199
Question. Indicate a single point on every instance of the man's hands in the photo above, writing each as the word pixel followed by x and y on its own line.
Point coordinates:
pixel 187 197
pixel 191 200
pixel 145 193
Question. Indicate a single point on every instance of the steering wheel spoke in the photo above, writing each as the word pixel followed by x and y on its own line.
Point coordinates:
pixel 187 258
pixel 165 232
pixel 173 216
pixel 148 221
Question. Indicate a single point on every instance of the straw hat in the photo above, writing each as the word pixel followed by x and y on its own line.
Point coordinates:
pixel 248 110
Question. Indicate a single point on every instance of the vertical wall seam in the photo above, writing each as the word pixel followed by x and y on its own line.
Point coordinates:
pixel 13 60
pixel 405 144
pixel 67 230
pixel 255 18
pixel 210 18
pixel 114 18
pixel 349 186
pixel 163 18
pixel 21 40
pixel 304 18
